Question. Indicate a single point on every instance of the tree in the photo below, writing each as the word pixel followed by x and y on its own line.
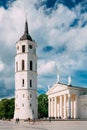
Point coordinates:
pixel 42 106
pixel 6 108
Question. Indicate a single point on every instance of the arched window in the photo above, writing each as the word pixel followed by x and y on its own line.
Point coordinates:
pixel 16 66
pixel 30 105
pixel 30 83
pixel 31 65
pixel 23 95
pixel 22 104
pixel 30 96
pixel 23 48
pixel 23 65
pixel 22 82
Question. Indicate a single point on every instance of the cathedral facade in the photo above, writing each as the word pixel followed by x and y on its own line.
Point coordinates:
pixel 67 101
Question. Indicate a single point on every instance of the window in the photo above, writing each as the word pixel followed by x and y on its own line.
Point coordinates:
pixel 22 105
pixel 23 65
pixel 22 82
pixel 16 66
pixel 30 96
pixel 33 111
pixel 30 46
pixel 23 95
pixel 30 105
pixel 30 83
pixel 23 48
pixel 31 65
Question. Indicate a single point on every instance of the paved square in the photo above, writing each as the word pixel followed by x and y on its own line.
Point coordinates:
pixel 44 125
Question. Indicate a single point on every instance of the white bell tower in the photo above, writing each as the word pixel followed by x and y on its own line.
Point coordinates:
pixel 26 77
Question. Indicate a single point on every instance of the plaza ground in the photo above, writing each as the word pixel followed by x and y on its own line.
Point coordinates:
pixel 44 125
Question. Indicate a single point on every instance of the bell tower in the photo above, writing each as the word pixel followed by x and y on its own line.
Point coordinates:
pixel 25 77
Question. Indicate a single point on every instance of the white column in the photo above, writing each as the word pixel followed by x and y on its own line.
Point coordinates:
pixel 55 107
pixel 58 107
pixel 49 107
pixel 61 106
pixel 71 108
pixel 76 106
pixel 69 105
pixel 52 108
pixel 65 106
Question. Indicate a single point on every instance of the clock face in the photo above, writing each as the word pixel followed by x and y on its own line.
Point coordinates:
pixel 30 46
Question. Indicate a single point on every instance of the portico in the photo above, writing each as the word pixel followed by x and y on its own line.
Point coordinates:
pixel 63 106
pixel 63 101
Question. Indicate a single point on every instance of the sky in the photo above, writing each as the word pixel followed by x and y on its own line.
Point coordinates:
pixel 59 27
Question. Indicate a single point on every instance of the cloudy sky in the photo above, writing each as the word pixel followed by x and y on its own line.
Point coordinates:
pixel 59 28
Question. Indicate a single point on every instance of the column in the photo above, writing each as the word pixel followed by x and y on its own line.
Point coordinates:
pixel 52 107
pixel 65 106
pixel 69 106
pixel 49 107
pixel 61 106
pixel 76 106
pixel 55 107
pixel 58 107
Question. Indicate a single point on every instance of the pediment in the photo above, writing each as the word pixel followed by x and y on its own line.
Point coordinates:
pixel 57 88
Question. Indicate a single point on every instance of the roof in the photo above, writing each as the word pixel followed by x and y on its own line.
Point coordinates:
pixel 57 87
pixel 26 35
pixel 72 86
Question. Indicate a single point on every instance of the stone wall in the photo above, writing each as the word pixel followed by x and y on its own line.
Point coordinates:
pixel 82 109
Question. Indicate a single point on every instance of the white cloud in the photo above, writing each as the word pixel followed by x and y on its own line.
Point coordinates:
pixel 1 66
pixel 45 68
pixel 53 29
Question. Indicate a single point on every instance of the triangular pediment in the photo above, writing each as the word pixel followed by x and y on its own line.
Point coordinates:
pixel 57 88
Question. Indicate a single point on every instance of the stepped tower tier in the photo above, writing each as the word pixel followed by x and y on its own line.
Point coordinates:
pixel 25 77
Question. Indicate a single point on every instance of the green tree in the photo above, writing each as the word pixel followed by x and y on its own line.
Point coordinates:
pixel 6 108
pixel 42 106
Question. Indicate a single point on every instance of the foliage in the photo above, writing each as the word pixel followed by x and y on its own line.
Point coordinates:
pixel 42 106
pixel 7 108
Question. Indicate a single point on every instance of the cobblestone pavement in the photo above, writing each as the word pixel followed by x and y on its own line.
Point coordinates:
pixel 44 125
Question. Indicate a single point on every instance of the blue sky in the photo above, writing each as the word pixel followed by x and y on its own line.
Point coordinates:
pixel 59 28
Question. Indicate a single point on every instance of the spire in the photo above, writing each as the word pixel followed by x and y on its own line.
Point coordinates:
pixel 26 35
pixel 26 28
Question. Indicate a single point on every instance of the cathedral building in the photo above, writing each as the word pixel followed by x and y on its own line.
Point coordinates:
pixel 66 101
pixel 25 77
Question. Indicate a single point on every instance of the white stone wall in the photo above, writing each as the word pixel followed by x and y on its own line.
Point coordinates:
pixel 82 106
pixel 25 96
